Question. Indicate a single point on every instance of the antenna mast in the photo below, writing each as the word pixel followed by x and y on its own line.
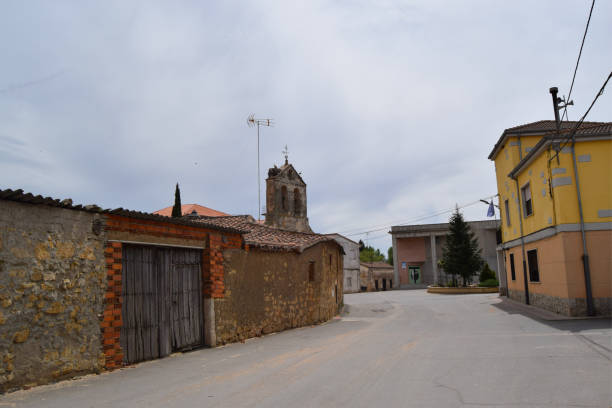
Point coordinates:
pixel 253 121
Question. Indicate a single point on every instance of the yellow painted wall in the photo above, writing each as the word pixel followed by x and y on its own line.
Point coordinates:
pixel 507 158
pixel 537 176
pixel 562 207
pixel 595 183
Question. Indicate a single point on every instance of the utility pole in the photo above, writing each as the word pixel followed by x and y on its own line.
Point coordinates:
pixel 585 257
pixel 252 121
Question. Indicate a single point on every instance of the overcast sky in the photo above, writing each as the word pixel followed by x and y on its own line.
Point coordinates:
pixel 389 108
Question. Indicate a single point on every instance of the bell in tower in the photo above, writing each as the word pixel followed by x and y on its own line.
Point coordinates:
pixel 286 199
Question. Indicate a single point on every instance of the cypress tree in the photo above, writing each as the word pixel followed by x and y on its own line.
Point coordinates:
pixel 176 210
pixel 461 253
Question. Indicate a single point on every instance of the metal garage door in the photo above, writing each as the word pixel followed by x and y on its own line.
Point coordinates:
pixel 162 301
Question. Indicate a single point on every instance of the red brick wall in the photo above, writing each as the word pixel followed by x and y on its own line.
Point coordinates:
pixel 212 270
pixel 111 317
pixel 213 274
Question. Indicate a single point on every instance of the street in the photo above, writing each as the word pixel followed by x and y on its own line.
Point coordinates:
pixel 389 349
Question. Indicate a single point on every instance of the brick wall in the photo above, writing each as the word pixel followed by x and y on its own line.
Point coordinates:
pixel 111 317
pixel 128 229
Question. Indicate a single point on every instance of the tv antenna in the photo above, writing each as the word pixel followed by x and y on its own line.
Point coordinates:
pixel 253 121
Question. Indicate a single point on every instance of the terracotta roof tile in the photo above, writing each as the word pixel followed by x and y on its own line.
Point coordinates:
pixel 187 209
pixel 377 264
pixel 545 127
pixel 20 196
pixel 266 237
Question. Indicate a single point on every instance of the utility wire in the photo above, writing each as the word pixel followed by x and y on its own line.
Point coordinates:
pixel 575 128
pixel 14 87
pixel 380 227
pixel 577 62
pixel 415 219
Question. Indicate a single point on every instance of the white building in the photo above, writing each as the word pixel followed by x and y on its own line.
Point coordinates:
pixel 351 262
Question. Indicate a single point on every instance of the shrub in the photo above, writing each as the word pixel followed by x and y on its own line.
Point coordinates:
pixel 486 273
pixel 489 283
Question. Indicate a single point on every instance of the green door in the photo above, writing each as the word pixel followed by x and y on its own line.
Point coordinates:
pixel 415 274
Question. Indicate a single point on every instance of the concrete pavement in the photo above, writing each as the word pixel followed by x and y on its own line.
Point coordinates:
pixel 394 349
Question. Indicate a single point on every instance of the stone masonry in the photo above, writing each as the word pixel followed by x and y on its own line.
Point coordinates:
pixel 270 291
pixel 564 306
pixel 52 283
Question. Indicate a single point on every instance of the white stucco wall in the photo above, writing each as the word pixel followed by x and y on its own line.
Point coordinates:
pixel 351 262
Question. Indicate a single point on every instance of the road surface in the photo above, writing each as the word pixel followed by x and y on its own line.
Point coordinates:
pixel 391 349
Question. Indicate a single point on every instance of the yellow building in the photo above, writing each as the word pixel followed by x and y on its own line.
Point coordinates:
pixel 543 233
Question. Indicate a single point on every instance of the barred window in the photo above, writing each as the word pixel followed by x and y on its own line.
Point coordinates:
pixel 532 260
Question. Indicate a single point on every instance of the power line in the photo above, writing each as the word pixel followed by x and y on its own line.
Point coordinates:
pixel 380 227
pixel 415 219
pixel 575 128
pixel 578 61
pixel 14 87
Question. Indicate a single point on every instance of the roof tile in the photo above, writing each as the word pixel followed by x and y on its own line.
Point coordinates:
pixel 263 236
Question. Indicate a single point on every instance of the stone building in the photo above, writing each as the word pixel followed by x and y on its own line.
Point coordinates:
pixel 351 262
pixel 417 249
pixel 375 276
pixel 279 280
pixel 73 278
pixel 76 282
pixel 286 199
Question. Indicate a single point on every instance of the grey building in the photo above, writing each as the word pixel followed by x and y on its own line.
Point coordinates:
pixel 417 249
pixel 351 262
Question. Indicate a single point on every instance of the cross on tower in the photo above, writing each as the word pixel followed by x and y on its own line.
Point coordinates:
pixel 286 153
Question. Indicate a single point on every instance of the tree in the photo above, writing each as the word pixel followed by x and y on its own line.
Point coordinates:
pixel 390 256
pixel 176 210
pixel 361 245
pixel 461 253
pixel 369 254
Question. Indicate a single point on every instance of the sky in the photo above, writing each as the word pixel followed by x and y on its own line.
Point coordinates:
pixel 389 108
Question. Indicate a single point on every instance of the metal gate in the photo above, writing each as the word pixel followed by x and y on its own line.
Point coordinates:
pixel 162 301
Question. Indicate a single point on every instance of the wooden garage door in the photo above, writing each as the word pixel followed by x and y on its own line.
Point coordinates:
pixel 162 301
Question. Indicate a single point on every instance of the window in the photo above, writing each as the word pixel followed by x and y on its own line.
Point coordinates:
pixel 507 211
pixel 512 270
pixel 297 202
pixel 532 260
pixel 284 198
pixel 349 282
pixel 311 271
pixel 527 203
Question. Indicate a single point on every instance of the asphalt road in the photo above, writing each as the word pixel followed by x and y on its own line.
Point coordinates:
pixel 392 349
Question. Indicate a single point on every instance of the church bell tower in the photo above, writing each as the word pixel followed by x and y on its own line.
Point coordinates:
pixel 286 199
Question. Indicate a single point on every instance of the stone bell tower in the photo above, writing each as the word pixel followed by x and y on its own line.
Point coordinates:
pixel 286 199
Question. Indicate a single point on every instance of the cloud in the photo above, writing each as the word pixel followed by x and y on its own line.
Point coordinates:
pixel 389 108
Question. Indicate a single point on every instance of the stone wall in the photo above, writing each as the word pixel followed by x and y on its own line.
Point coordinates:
pixel 52 284
pixel 564 306
pixel 269 291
